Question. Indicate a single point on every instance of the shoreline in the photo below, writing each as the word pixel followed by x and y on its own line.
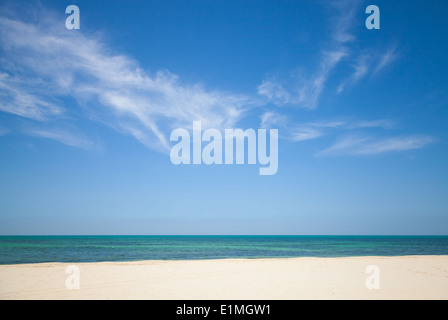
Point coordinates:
pixel 399 277
pixel 223 259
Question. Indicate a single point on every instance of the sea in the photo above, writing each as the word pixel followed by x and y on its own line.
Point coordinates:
pixel 71 249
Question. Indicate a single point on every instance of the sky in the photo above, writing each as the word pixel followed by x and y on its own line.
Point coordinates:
pixel 86 116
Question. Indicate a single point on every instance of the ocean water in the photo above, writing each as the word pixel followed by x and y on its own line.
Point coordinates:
pixel 36 249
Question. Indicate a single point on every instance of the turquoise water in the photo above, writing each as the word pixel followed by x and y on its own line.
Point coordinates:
pixel 36 249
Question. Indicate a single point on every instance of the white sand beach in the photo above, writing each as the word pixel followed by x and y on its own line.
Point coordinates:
pixel 409 277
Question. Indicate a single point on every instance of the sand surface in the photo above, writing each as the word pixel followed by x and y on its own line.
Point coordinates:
pixel 412 277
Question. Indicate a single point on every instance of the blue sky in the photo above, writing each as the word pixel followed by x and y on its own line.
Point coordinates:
pixel 86 116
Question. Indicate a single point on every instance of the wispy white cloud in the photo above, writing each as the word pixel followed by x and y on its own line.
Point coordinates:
pixel 344 14
pixel 362 145
pixel 327 124
pixel 313 130
pixel 353 141
pixel 274 92
pixel 380 123
pixel 397 144
pixel 53 63
pixel 360 70
pixel 63 136
pixel 368 64
pixel 386 58
pixel 273 119
pixel 17 97
pixel 42 65
pixel 306 92
pixel 311 90
pixel 305 133
pixel 320 128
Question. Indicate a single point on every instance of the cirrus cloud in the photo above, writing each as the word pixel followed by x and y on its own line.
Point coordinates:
pixel 362 145
pixel 43 65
